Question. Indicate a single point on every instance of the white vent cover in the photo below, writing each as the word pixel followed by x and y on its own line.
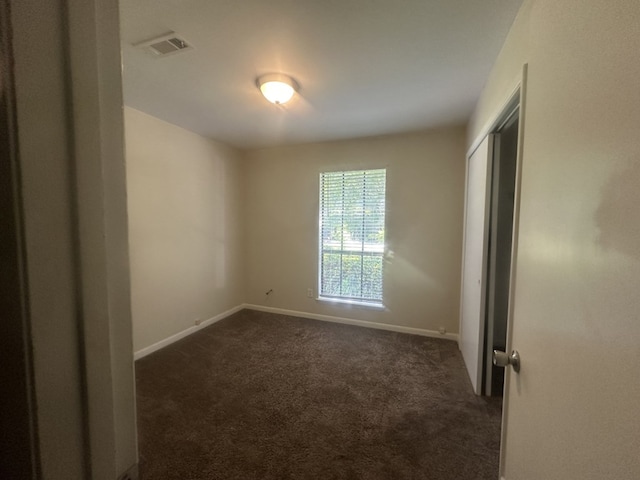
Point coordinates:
pixel 164 45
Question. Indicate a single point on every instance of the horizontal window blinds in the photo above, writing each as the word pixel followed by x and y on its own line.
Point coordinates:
pixel 352 220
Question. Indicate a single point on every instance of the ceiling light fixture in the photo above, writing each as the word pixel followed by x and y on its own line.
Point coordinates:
pixel 278 88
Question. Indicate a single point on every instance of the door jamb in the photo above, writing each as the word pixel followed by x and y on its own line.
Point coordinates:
pixel 514 257
pixel 512 110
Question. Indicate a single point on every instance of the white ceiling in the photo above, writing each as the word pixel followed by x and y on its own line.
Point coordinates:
pixel 366 67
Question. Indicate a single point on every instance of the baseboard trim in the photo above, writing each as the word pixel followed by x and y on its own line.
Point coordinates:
pixel 313 316
pixel 184 333
pixel 351 321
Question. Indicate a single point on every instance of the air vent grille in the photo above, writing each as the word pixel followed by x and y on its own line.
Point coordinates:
pixel 168 46
pixel 164 45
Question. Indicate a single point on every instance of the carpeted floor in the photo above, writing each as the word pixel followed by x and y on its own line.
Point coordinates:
pixel 265 396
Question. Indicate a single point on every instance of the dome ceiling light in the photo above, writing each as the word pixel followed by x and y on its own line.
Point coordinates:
pixel 278 88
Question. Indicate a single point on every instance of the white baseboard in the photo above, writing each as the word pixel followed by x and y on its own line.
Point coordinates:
pixel 184 333
pixel 359 323
pixel 314 316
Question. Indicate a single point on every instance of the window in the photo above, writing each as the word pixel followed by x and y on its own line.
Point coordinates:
pixel 352 210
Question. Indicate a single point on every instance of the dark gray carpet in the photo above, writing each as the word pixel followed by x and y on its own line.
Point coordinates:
pixel 264 396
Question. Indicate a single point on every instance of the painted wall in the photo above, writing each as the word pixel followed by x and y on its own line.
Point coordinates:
pixel 185 199
pixel 575 323
pixel 425 192
pixel 504 78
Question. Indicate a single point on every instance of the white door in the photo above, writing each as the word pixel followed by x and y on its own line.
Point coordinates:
pixel 476 231
pixel 573 411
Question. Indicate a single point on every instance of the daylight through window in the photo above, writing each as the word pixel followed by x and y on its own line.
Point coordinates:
pixel 352 211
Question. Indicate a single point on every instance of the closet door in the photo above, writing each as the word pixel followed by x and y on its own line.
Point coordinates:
pixel 474 263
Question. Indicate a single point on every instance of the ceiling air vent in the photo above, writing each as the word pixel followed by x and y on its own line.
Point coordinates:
pixel 166 44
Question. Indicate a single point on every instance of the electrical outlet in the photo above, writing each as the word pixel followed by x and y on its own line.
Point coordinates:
pixel 198 321
pixel 442 330
pixel 310 292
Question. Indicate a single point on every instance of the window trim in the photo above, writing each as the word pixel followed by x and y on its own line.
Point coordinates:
pixel 373 305
pixel 346 301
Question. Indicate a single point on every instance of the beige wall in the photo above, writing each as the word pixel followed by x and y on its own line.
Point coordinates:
pixel 573 410
pixel 425 180
pixel 504 78
pixel 185 195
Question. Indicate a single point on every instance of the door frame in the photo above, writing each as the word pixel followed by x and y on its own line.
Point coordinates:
pixel 516 99
pixel 517 96
pixel 514 257
pixel 70 156
pixel 20 456
pixel 511 110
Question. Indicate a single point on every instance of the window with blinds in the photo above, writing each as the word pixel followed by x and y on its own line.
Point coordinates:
pixel 352 215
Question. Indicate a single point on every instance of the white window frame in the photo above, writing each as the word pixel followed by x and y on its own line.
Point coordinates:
pixel 377 304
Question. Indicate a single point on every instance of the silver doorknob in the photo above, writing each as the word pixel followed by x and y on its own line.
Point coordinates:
pixel 501 359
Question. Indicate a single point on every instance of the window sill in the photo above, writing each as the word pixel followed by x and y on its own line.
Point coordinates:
pixel 354 303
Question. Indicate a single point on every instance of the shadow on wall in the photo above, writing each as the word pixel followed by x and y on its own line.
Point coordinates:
pixel 618 215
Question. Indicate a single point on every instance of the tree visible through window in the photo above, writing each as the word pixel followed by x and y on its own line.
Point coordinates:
pixel 352 211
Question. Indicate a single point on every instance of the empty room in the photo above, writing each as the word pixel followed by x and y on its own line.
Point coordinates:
pixel 319 239
pixel 295 265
